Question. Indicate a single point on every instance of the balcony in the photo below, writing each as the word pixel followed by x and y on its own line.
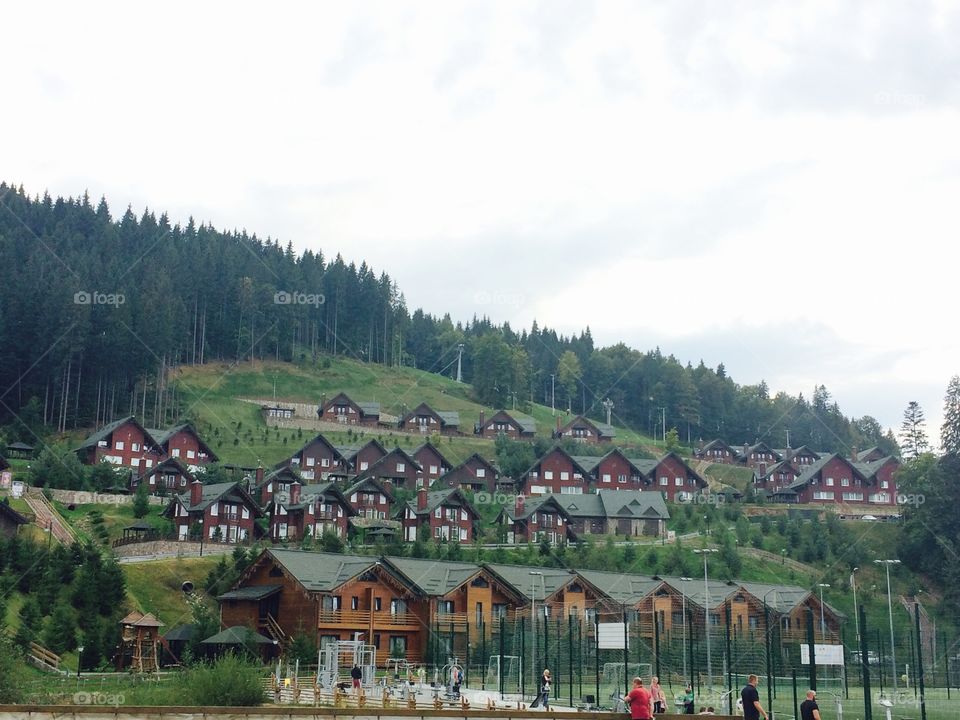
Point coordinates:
pixel 361 619
pixel 325 515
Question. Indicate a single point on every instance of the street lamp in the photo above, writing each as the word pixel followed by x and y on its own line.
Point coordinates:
pixel 766 628
pixel 706 609
pixel 823 632
pixel 553 389
pixel 856 613
pixel 533 617
pixel 683 595
pixel 893 650
pixel 79 659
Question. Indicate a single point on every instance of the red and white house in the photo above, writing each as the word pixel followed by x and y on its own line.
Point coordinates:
pixel 753 455
pixel 583 429
pixel 556 472
pixel 799 457
pixel 308 510
pixel 881 474
pixel 124 443
pixel 397 468
pixel 278 480
pixel 674 478
pixel 185 444
pixel 318 460
pixel 536 519
pixel 166 478
pixel 434 464
pixel 832 479
pixel 371 499
pixel 775 477
pixel 359 458
pixel 447 513
pixel 424 419
pixel 615 471
pixel 475 474
pixel 342 409
pixel 222 511
pixel 500 423
pixel 717 451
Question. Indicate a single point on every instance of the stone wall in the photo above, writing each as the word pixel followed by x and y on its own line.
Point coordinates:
pixel 167 548
pixel 84 497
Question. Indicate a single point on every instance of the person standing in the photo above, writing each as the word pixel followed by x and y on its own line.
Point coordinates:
pixel 356 674
pixel 659 698
pixel 688 700
pixel 809 710
pixel 750 697
pixel 640 701
pixel 543 696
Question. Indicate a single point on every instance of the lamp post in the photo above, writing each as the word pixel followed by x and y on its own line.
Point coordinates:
pixel 893 649
pixel 533 619
pixel 79 659
pixel 856 615
pixel 706 609
pixel 553 389
pixel 766 628
pixel 683 595
pixel 823 632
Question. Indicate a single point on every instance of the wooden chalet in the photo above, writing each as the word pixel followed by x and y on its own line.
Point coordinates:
pixel 308 510
pixel 337 597
pixel 139 643
pixel 475 474
pixel 222 511
pixel 559 592
pixel 397 468
pixel 753 455
pixel 583 429
pixel 867 455
pixel 515 427
pixel 370 498
pixel 536 519
pixel 432 461
pixel 799 457
pixel 183 443
pixel 318 459
pixel 881 475
pixel 556 472
pixel 424 419
pixel 614 471
pixel 166 478
pixel 446 514
pixel 359 458
pixel 277 481
pixel 341 409
pixel 124 442
pixel 832 479
pixel 616 512
pixel 716 451
pixel 771 479
pixel 673 477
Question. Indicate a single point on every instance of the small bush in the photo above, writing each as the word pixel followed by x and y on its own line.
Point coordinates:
pixel 231 680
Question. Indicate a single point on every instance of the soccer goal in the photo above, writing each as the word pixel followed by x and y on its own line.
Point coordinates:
pixel 512 669
pixel 613 672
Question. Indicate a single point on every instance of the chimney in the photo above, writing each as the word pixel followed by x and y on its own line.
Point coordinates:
pixel 294 492
pixel 700 445
pixel 763 470
pixel 481 421
pixel 853 453
pixel 746 449
pixel 788 454
pixel 558 424
pixel 259 473
pixel 141 467
pixel 422 499
pixel 518 506
pixel 196 492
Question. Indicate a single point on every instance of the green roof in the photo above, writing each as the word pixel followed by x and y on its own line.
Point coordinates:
pixel 434 577
pixel 621 588
pixel 536 587
pixel 237 635
pixel 639 504
pixel 251 592
pixel 695 593
pixel 321 572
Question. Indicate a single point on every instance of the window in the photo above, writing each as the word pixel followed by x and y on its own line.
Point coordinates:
pixel 376 640
pixel 845 482
pixel 463 514
pixel 752 622
pixel 215 509
pixel 324 462
pixel 478 614
pixel 311 461
pixel 438 513
pixel 176 452
pixel 499 610
pixel 621 478
pixel 463 533
pixel 398 646
pixel 481 472
pixel 830 482
pixel 398 607
pixel 354 603
pixel 119 445
pixel 884 484
pixel 135 447
pixel 445 607
pixel 245 513
pixel 571 490
pixel 853 496
pixel 664 481
pixel 364 465
pixel 191 454
pixel 547 474
pixel 401 467
pixel 377 604
pixel 823 495
pixel 678 482
pixel 564 475
pixel 606 477
pixel 433 469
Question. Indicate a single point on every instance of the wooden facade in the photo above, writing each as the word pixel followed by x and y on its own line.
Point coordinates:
pixel 342 409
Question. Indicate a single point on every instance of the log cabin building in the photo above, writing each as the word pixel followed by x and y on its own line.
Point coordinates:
pixel 425 420
pixel 222 511
pixel 475 474
pixel 308 511
pixel 536 519
pixel 434 464
pixel 555 472
pixel 515 427
pixel 446 515
pixel 345 411
pixel 318 460
pixel 583 429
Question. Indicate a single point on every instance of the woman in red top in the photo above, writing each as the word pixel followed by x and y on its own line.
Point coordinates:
pixel 639 700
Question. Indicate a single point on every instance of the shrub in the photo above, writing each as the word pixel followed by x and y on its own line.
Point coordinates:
pixel 231 680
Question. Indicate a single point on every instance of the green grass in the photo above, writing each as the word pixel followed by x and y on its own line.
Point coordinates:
pixel 155 586
pixel 733 475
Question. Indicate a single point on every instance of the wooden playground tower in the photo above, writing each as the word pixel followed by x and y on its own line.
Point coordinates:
pixel 140 636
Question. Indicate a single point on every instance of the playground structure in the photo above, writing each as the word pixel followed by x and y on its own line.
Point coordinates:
pixel 346 653
pixel 139 639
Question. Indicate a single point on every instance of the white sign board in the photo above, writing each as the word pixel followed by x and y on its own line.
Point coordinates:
pixel 611 636
pixel 826 654
pixel 16 488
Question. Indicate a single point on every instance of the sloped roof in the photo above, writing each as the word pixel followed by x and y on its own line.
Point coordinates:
pixel 870 469
pixel 557 448
pixel 251 592
pixel 181 633
pixel 369 408
pixel 321 572
pixel 230 491
pixel 310 493
pixel 586 505
pixel 375 466
pixel 619 587
pixel 377 485
pixel 11 514
pixel 813 469
pixel 104 432
pixel 436 498
pixel 534 504
pixel 237 635
pixel 431 447
pixel 349 452
pixel 434 578
pixel 694 590
pixel 638 504
pixel 604 430
pixel 718 443
pixel 780 598
pixel 530 586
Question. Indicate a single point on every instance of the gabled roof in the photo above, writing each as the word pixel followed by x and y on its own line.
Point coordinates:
pixel 535 504
pixel 475 457
pixel 718 444
pixel 756 447
pixel 619 587
pixel 603 430
pixel 350 452
pixel 429 446
pixel 437 498
pixel 162 437
pixel 793 452
pixel 870 469
pixel 335 451
pixel 12 515
pixel 312 493
pixel 638 504
pixel 369 483
pixel 436 578
pixel 524 423
pixel 284 473
pixel 550 581
pixel 173 463
pixel 251 592
pixel 590 463
pixel 366 408
pixel 779 598
pixel 775 467
pixel 587 505
pixel 105 432
pixel 813 469
pixel 648 467
pixel 694 590
pixel 229 491
pixel 318 572
pixel 447 418
pixel 374 467
pixel 557 448
pixel 237 635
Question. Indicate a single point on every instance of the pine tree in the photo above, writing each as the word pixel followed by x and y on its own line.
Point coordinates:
pixel 61 632
pixel 950 430
pixel 141 505
pixel 913 434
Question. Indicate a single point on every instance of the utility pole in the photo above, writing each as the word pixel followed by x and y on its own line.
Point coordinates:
pixel 459 363
pixel 553 387
pixel 893 650
pixel 706 610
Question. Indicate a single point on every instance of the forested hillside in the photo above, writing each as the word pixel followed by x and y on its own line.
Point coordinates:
pixel 95 309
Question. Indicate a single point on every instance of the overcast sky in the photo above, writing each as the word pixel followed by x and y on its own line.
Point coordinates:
pixel 770 185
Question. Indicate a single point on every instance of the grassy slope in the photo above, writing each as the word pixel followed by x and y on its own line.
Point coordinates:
pixel 210 395
pixel 155 586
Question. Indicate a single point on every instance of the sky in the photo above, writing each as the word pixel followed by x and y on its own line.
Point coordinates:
pixel 763 184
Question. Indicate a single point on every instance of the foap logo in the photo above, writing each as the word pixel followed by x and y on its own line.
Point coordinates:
pixel 900 99
pixel 82 497
pixel 96 297
pixel 506 299
pixel 910 499
pixel 282 297
pixel 701 499
pixel 98 698
pixel 498 498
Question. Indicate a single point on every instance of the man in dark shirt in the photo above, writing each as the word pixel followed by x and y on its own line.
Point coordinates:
pixel 809 710
pixel 752 709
